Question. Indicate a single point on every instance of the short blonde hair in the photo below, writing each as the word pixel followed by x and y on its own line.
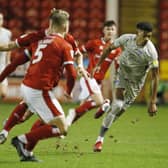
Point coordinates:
pixel 59 16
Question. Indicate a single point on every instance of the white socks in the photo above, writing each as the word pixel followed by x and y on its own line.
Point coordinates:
pixel 99 138
pixel 23 138
pixel 4 132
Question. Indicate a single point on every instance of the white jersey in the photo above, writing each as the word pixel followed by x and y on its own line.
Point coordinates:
pixel 135 61
pixel 5 37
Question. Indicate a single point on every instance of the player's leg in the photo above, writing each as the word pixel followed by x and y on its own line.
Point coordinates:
pixel 49 110
pixel 25 143
pixel 75 114
pixel 13 119
pixel 105 107
pixel 46 131
pixel 42 132
pixel 29 154
pixel 38 123
pixel 97 96
pixel 31 138
pixel 46 106
pixel 26 116
pixel 90 86
pixel 128 94
pixel 117 108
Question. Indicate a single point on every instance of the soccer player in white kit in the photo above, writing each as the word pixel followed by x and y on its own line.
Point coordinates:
pixel 139 56
pixel 5 37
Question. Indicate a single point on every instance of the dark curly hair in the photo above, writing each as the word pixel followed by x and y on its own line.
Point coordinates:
pixel 145 26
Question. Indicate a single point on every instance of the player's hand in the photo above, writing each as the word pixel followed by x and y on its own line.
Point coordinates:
pixel 152 110
pixel 53 10
pixel 67 96
pixel 95 69
pixel 82 72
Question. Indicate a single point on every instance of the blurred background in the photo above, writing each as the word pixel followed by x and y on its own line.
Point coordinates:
pixel 87 17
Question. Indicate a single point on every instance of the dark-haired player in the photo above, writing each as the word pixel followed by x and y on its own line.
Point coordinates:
pixel 138 57
pixel 90 93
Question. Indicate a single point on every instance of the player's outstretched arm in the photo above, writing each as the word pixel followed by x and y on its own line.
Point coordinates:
pixel 79 58
pixel 80 67
pixel 154 85
pixel 106 52
pixel 8 46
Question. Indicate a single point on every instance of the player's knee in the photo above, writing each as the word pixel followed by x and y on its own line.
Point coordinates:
pixel 98 100
pixel 117 106
pixel 106 105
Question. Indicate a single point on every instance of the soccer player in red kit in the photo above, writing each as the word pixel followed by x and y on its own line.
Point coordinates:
pixel 25 41
pixel 49 57
pixel 90 87
pixel 18 114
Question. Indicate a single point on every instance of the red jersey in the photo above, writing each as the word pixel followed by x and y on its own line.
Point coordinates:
pixel 70 39
pixel 94 48
pixel 49 56
pixel 26 39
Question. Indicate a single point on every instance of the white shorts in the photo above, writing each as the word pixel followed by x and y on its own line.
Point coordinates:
pixel 132 89
pixel 42 103
pixel 88 87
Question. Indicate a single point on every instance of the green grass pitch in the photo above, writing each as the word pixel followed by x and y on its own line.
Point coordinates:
pixel 134 141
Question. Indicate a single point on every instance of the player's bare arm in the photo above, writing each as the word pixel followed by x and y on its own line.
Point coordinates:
pixel 154 85
pixel 80 68
pixel 9 46
pixel 79 59
pixel 105 54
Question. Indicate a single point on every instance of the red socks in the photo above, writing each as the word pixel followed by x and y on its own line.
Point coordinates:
pixel 42 132
pixel 83 108
pixel 37 124
pixel 15 116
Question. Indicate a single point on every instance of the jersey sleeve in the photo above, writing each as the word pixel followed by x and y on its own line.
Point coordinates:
pixel 153 56
pixel 121 40
pixel 70 39
pixel 26 39
pixel 68 55
pixel 88 47
pixel 27 52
